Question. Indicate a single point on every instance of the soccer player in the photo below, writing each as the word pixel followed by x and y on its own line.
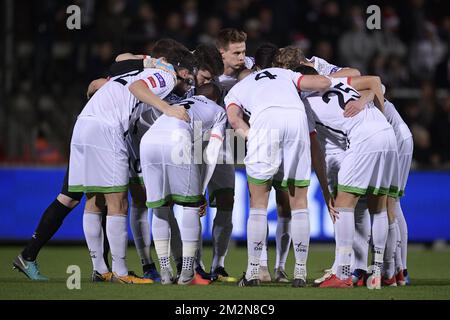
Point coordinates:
pixel 271 100
pixel 361 172
pixel 210 66
pixel 99 159
pixel 141 119
pixel 52 219
pixel 173 174
pixel 405 150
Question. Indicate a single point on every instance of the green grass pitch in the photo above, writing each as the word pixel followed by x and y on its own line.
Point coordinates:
pixel 429 271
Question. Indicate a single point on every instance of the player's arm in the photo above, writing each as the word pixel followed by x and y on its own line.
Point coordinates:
pixel 236 119
pixel 318 163
pixel 346 72
pixel 372 83
pixel 352 108
pixel 142 92
pixel 313 83
pixel 129 56
pixel 213 148
pixel 94 86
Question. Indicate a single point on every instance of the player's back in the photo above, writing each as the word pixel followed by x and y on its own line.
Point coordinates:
pixel 204 114
pixel 393 117
pixel 328 109
pixel 114 103
pixel 272 87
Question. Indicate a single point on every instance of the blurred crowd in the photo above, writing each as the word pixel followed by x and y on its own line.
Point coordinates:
pixel 51 66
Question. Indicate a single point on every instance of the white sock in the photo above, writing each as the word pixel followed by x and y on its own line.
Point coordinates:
pixel 403 232
pixel 380 227
pixel 300 241
pixel 176 245
pixel 344 234
pixel 334 267
pixel 117 232
pixel 161 235
pixel 93 232
pixel 256 236
pixel 389 252
pixel 190 229
pixel 398 250
pixel 362 237
pixel 221 233
pixel 198 262
pixel 263 259
pixel 283 241
pixel 140 228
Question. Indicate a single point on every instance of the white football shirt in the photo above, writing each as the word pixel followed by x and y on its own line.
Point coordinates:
pixel 114 103
pixel 328 110
pixel 272 87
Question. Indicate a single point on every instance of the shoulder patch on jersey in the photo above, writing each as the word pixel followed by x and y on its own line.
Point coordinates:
pixel 162 82
pixel 152 81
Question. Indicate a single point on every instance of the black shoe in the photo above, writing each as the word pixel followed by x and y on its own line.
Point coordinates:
pixel 220 271
pixel 248 283
pixel 299 283
pixel 222 275
pixel 205 275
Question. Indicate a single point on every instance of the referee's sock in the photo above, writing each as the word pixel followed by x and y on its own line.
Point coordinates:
pixel 50 222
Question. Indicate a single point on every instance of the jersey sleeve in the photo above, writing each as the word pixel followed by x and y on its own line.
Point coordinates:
pixel 296 77
pixel 232 99
pixel 325 68
pixel 310 117
pixel 159 82
pixel 219 125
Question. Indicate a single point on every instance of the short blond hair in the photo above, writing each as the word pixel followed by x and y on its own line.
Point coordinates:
pixel 289 58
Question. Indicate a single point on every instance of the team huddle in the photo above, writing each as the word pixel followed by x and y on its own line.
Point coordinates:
pixel 159 128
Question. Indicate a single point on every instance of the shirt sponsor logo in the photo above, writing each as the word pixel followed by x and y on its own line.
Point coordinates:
pixel 161 81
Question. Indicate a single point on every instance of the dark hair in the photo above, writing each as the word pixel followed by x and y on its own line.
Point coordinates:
pixel 264 55
pixel 229 35
pixel 306 70
pixel 209 58
pixel 209 90
pixel 164 46
pixel 182 59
